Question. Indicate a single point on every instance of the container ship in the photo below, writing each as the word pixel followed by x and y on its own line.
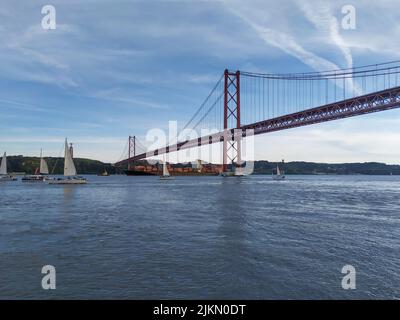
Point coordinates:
pixel 175 169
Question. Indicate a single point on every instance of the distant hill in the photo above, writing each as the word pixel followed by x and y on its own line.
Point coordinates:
pixel 56 165
pixel 301 167
pixel 88 166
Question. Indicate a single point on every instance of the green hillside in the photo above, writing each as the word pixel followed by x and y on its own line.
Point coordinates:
pixel 88 166
pixel 56 165
pixel 300 167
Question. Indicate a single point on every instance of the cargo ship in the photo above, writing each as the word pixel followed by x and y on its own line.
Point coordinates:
pixel 174 169
pixel 142 169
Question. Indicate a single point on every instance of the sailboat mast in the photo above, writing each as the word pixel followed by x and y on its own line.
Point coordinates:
pixel 38 170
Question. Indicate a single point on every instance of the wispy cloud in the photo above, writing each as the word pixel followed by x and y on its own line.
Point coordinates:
pixel 20 105
pixel 116 94
pixel 321 16
pixel 281 40
pixel 34 59
pixel 324 21
pixel 52 139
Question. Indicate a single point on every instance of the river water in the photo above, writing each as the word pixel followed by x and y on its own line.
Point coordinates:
pixel 202 238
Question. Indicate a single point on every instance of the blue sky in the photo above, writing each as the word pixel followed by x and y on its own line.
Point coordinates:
pixel 114 68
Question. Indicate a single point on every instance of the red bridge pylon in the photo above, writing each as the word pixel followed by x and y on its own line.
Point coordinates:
pixel 232 138
pixel 131 149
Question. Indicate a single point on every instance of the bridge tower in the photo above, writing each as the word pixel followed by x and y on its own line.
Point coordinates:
pixel 131 149
pixel 232 138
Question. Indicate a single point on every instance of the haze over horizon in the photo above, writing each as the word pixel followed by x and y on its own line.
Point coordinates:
pixel 118 68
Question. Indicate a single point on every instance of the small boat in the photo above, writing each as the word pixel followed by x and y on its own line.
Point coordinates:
pixel 34 178
pixel 104 174
pixel 227 174
pixel 69 169
pixel 238 172
pixel 41 173
pixel 165 174
pixel 4 176
pixel 279 175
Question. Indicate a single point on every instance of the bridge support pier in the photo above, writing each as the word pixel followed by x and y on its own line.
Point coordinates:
pixel 232 138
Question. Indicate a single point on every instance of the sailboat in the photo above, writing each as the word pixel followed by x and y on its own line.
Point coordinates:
pixel 69 169
pixel 41 173
pixel 279 175
pixel 4 176
pixel 165 174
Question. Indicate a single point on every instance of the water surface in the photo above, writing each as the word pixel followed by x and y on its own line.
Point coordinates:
pixel 202 237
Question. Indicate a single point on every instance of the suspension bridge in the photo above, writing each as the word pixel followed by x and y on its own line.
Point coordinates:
pixel 249 103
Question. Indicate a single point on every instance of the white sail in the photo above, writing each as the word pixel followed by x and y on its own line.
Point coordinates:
pixel 69 166
pixel 165 170
pixel 44 169
pixel 3 167
pixel 278 172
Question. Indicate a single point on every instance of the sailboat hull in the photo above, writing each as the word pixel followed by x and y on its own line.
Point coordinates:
pixel 7 178
pixel 166 177
pixel 35 178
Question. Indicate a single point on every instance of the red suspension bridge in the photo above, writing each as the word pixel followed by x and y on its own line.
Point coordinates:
pixel 243 103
